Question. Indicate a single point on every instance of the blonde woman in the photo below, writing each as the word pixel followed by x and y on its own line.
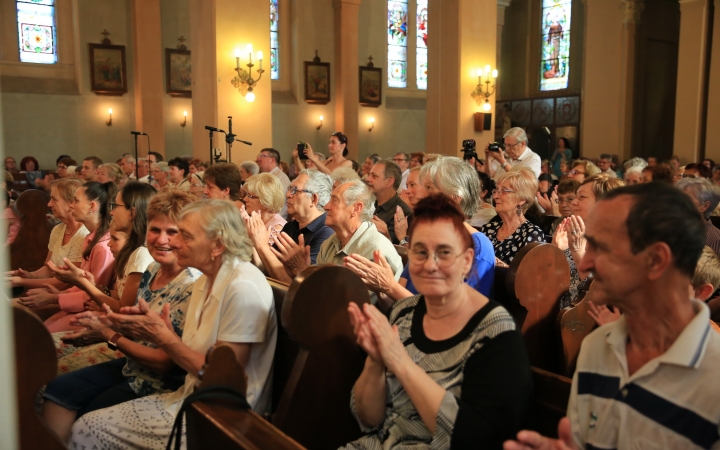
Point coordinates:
pixel 263 195
pixel 582 169
pixel 111 172
pixel 513 195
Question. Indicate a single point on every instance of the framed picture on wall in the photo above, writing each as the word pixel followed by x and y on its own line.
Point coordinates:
pixel 178 72
pixel 108 69
pixel 370 85
pixel 317 81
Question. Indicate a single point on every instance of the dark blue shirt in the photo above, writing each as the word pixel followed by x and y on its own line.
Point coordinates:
pixel 315 234
pixel 482 274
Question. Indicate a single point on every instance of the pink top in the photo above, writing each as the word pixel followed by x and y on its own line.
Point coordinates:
pixel 14 221
pixel 101 264
pixel 275 225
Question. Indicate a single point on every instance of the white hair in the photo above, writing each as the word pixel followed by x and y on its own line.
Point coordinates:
pixel 635 162
pixel 320 184
pixel 222 222
pixel 518 133
pixel 357 191
pixel 455 177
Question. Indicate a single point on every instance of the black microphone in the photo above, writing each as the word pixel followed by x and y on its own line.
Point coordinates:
pixel 208 127
pixel 138 133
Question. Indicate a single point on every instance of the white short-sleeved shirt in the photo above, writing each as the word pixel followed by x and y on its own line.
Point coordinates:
pixel 72 250
pixel 239 309
pixel 528 160
pixel 138 262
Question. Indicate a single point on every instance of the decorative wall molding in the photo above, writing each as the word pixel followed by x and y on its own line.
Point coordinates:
pixel 632 10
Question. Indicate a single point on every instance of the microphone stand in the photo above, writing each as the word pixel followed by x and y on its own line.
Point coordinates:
pixel 230 138
pixel 137 163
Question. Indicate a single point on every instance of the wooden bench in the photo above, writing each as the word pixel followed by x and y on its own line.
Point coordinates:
pixel 30 247
pixel 575 324
pixel 403 252
pixel 551 394
pixel 35 366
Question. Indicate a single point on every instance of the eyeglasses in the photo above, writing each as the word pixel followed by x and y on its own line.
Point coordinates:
pixel 443 258
pixel 399 160
pixel 561 200
pixel 114 206
pixel 502 191
pixel 576 172
pixel 245 194
pixel 292 190
pixel 508 147
pixel 263 155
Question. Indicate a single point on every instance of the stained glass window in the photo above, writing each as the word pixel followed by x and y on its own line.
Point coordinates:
pixel 421 44
pixel 555 64
pixel 274 46
pixel 397 43
pixel 36 31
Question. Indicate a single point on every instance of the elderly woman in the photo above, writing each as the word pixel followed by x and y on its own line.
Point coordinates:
pixel 562 204
pixel 197 186
pixel 410 197
pixel 231 304
pixel 513 195
pixel 448 368
pixel 583 169
pixel 455 179
pixel 222 182
pixel 264 196
pixel 248 169
pixel 111 172
pixel 570 234
pixel 66 239
pixel 633 175
pixel 146 369
pixel 159 172
pixel 705 196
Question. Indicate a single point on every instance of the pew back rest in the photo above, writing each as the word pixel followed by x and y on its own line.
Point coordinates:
pixel 35 366
pixel 575 324
pixel 30 247
pixel 538 277
pixel 551 393
pixel 286 350
pixel 20 182
pixel 314 407
pixel 403 252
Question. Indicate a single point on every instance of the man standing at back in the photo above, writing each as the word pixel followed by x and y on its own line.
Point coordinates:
pixel 403 162
pixel 127 164
pixel 89 168
pixel 649 379
pixel 516 155
pixel 384 179
pixel 269 162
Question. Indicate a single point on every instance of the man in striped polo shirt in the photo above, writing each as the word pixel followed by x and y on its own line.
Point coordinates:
pixel 649 379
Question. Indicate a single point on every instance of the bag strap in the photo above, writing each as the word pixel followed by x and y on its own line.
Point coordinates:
pixel 215 392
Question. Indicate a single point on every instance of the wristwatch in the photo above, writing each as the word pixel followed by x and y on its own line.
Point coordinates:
pixel 404 241
pixel 112 343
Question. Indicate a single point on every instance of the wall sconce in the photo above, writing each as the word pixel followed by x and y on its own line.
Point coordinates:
pixel 480 94
pixel 244 80
pixel 109 121
pixel 372 124
pixel 184 122
pixel 320 125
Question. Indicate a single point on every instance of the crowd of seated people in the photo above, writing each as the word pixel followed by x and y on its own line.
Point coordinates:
pixel 154 262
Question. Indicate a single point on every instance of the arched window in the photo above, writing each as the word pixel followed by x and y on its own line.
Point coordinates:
pixel 421 44
pixel 274 42
pixel 397 43
pixel 407 57
pixel 555 26
pixel 37 34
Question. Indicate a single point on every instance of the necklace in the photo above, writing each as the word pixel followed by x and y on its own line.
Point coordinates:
pixel 502 237
pixel 74 230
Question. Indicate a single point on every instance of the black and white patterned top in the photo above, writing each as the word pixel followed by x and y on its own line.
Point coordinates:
pixel 506 249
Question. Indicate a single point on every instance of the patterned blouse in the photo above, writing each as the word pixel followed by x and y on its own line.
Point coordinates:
pixel 506 249
pixel 177 293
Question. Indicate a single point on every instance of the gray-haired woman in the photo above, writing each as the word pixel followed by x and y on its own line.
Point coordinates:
pixel 231 304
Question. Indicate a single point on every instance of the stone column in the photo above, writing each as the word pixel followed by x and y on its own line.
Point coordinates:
pixel 632 10
pixel 690 100
pixel 461 43
pixel 712 134
pixel 345 72
pixel 604 75
pixel 148 74
pixel 501 5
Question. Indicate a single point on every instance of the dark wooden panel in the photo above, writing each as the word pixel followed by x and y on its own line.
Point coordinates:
pixel 30 247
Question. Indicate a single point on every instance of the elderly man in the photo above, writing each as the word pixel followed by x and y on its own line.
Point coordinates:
pixel 178 172
pixel 403 162
pixel 605 165
pixel 89 168
pixel 516 155
pixel 705 196
pixel 127 165
pixel 143 170
pixel 248 169
pixel 269 162
pixel 301 236
pixel 384 179
pixel 646 380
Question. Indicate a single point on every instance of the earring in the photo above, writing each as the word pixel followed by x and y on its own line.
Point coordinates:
pixel 212 258
pixel 519 210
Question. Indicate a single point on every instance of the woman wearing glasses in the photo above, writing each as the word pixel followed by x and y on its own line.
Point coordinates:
pixel 583 169
pixel 263 196
pixel 511 231
pixel 129 216
pixel 562 205
pixel 337 147
pixel 448 367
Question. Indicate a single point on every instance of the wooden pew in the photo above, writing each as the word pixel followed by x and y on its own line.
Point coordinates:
pixel 35 366
pixel 20 182
pixel 575 323
pixel 31 244
pixel 403 252
pixel 286 350
pixel 225 426
pixel 537 278
pixel 550 398
pixel 314 407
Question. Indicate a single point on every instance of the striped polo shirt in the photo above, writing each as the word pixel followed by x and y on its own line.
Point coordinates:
pixel 672 402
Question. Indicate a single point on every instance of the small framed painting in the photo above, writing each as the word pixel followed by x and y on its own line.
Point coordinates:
pixel 317 82
pixel 178 72
pixel 107 69
pixel 370 86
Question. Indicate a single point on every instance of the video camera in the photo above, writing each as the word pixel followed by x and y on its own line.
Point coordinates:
pixel 469 150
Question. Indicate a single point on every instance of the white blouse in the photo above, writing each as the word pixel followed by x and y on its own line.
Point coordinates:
pixel 72 250
pixel 138 262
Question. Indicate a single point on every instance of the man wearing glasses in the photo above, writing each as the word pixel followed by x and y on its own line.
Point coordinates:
pixel 403 162
pixel 516 155
pixel 269 162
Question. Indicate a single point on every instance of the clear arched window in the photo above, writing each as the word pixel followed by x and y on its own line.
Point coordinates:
pixel 555 64
pixel 274 42
pixel 37 34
